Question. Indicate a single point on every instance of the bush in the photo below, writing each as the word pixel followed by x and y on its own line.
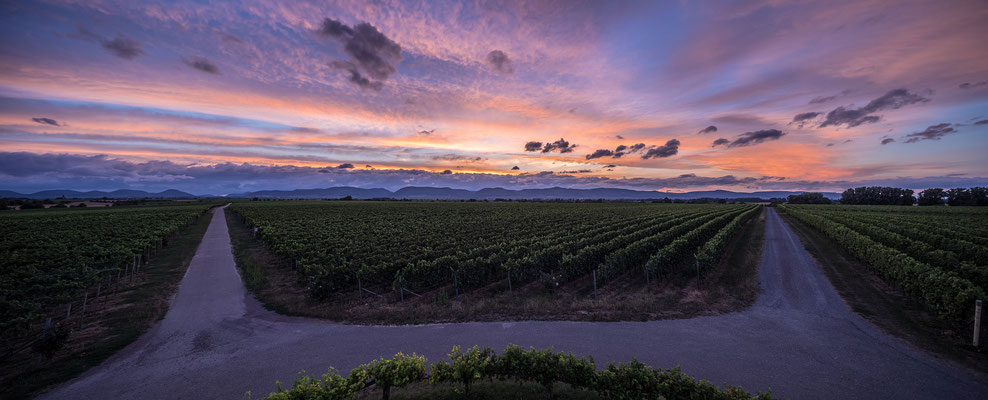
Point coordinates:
pixel 396 372
pixel 633 380
pixel 476 363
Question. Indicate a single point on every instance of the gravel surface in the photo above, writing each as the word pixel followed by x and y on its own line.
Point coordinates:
pixel 799 340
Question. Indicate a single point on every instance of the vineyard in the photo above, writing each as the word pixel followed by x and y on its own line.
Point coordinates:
pixel 341 247
pixel 938 254
pixel 54 257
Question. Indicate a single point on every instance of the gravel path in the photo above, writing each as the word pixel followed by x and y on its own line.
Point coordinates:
pixel 799 339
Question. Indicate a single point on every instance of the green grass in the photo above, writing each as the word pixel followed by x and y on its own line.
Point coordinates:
pixel 108 328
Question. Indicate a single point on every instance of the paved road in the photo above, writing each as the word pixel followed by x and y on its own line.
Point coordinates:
pixel 799 339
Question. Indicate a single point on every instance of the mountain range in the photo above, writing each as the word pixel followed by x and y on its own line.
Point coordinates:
pixel 97 194
pixel 444 193
pixel 420 193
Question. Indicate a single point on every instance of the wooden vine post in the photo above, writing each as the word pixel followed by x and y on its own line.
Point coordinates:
pixel 977 323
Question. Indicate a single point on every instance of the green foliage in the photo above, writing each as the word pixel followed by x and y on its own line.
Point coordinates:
pixel 633 380
pixel 877 195
pixel 546 367
pixel 396 372
pixel 891 241
pixel 422 246
pixel 710 252
pixel 50 256
pixel 808 198
pixel 476 363
pixel 931 197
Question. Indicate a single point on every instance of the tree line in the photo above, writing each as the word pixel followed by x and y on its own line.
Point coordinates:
pixel 891 196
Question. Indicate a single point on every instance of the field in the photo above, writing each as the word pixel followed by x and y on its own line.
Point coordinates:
pixel 54 257
pixel 937 254
pixel 404 249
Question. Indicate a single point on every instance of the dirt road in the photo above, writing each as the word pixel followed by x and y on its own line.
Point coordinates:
pixel 799 339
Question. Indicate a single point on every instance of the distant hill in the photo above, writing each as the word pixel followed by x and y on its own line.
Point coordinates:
pixel 445 193
pixel 96 194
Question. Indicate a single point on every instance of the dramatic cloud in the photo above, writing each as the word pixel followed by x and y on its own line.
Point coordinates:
pixel 752 138
pixel 426 132
pixel 500 62
pixel 599 154
pixel 447 172
pixel 579 171
pixel 202 64
pixel 720 142
pixel 968 85
pixel 355 76
pixel 561 145
pixel 667 150
pixel 123 47
pixel 345 166
pixel 933 132
pixel 805 116
pixel 982 122
pixel 892 100
pixel 610 166
pixel 47 121
pixel 533 146
pixel 370 51
pixel 708 129
pixel 887 140
pixel 515 168
pixel 801 119
pixel 619 151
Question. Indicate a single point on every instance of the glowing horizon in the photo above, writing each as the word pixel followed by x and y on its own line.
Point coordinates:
pixel 746 96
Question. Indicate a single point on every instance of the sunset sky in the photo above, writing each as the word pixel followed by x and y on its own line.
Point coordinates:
pixel 218 97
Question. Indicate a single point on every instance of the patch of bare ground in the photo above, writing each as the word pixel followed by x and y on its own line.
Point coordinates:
pixel 732 286
pixel 120 314
pixel 886 305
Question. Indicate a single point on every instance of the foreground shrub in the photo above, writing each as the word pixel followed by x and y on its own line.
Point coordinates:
pixel 633 380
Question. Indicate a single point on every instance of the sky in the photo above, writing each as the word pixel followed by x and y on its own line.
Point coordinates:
pixel 215 97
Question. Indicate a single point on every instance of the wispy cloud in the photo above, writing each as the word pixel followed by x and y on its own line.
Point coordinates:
pixel 933 132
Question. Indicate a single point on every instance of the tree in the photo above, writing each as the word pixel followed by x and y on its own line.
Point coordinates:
pixel 959 197
pixel 808 198
pixel 878 195
pixel 931 197
pixel 979 196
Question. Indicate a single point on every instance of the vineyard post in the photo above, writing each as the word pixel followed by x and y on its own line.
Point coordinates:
pixel 456 285
pixel 68 311
pixel 509 281
pixel 97 294
pixel 85 297
pixel 360 288
pixel 977 323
